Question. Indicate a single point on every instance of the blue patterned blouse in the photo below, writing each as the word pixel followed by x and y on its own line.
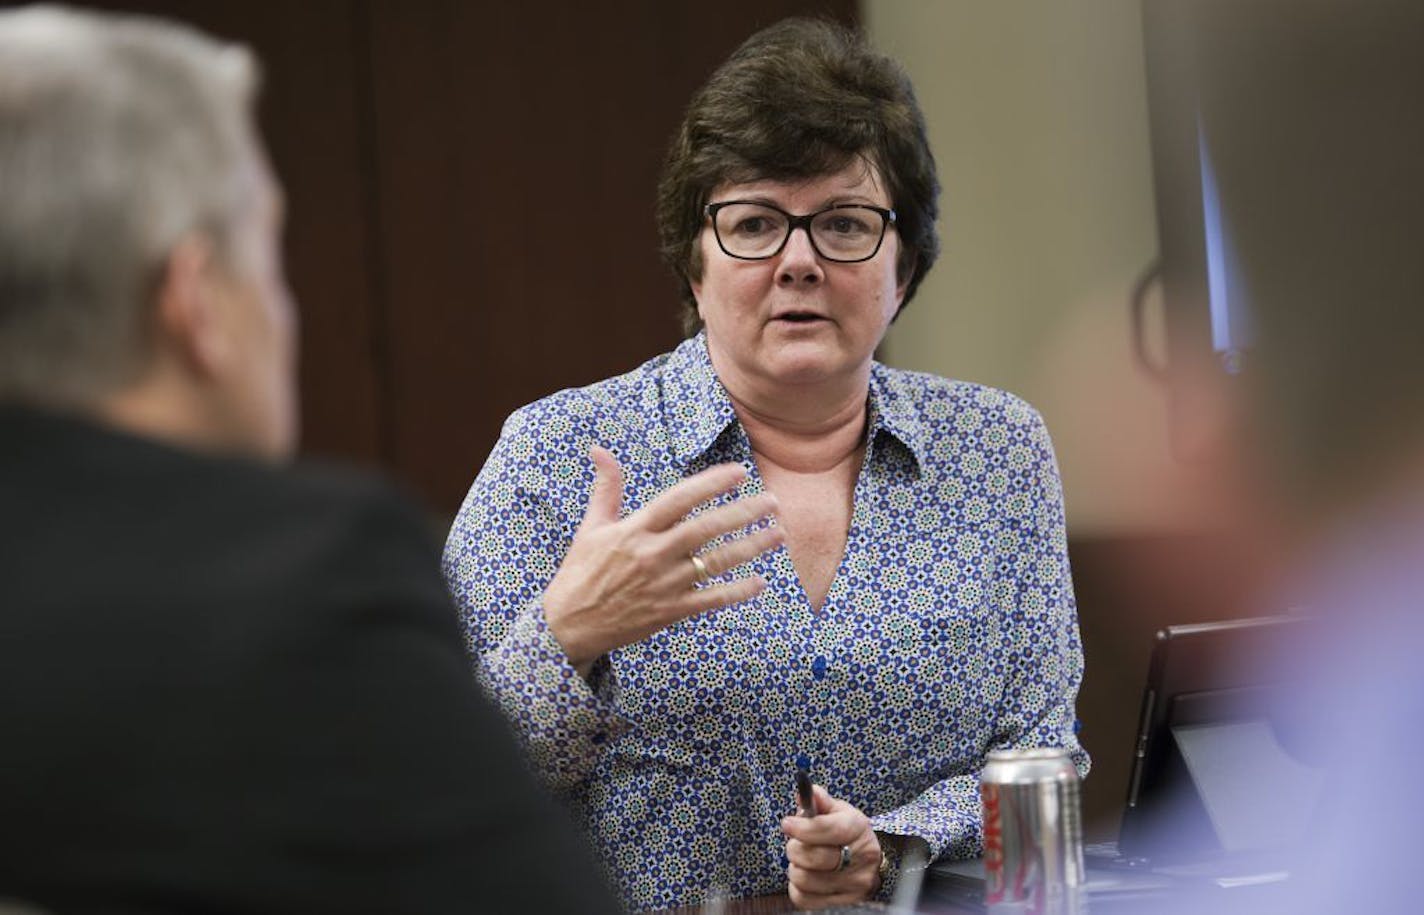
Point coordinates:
pixel 950 628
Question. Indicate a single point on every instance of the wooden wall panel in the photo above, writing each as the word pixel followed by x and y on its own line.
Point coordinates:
pixel 322 149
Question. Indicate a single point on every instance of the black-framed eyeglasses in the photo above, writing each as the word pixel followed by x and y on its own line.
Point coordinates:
pixel 846 233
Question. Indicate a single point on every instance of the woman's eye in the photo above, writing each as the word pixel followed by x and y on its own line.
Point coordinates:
pixel 847 225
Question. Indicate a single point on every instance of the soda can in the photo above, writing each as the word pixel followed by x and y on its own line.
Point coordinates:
pixel 1033 834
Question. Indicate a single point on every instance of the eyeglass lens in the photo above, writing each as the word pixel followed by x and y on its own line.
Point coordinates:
pixel 846 233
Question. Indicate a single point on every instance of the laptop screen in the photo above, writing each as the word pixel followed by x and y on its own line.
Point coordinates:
pixel 1214 768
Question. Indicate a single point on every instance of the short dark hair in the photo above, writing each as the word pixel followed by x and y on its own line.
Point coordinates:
pixel 802 98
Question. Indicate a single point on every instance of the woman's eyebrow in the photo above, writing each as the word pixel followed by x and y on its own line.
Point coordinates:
pixel 759 198
pixel 832 200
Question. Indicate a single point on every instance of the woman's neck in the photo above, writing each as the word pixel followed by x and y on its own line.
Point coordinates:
pixel 802 436
pixel 809 427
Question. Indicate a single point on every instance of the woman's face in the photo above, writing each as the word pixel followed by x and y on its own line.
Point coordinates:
pixel 797 318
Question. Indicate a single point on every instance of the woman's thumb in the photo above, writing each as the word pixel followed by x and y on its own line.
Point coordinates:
pixel 606 503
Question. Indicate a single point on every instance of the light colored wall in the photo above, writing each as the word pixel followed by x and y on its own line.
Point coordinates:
pixel 1038 118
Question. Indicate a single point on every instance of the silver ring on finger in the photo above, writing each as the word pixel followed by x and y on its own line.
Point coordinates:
pixel 699 567
pixel 846 858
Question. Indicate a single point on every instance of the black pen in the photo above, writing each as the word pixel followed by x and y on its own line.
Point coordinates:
pixel 803 793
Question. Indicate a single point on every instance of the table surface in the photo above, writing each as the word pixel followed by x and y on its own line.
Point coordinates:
pixel 758 905
pixel 942 897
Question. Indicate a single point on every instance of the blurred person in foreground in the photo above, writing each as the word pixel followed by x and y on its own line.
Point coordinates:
pixel 764 549
pixel 1315 111
pixel 224 686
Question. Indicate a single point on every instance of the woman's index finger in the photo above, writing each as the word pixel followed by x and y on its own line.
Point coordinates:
pixel 671 506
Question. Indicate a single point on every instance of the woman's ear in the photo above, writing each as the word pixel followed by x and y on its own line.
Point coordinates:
pixel 903 274
pixel 902 285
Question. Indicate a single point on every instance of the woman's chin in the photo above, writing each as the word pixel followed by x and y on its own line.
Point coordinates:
pixel 800 366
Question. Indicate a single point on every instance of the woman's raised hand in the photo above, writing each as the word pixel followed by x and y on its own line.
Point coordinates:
pixel 625 578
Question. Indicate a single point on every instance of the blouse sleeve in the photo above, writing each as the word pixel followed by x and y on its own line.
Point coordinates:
pixel 1043 654
pixel 507 541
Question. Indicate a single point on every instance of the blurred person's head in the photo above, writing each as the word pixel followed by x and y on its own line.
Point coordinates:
pixel 140 273
pixel 1314 111
pixel 1315 115
pixel 799 101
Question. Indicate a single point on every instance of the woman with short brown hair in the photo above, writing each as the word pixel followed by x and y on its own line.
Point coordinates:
pixel 787 555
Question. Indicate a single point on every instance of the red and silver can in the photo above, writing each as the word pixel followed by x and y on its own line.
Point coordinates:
pixel 1033 834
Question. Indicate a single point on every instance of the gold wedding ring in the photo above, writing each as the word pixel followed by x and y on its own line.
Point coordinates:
pixel 701 568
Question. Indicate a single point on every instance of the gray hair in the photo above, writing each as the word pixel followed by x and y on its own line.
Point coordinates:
pixel 119 136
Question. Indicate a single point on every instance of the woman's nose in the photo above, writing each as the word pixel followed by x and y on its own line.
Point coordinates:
pixel 799 261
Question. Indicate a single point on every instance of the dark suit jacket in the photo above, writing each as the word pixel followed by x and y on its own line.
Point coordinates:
pixel 231 688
